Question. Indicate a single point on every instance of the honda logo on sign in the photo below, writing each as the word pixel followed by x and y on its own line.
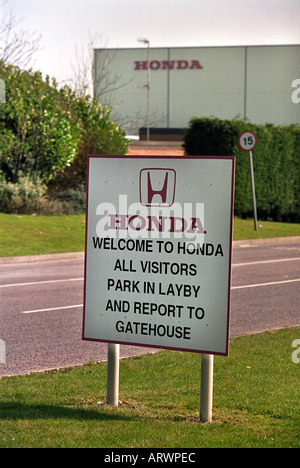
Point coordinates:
pixel 157 187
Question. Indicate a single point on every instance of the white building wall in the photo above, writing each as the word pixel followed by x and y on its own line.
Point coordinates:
pixel 216 90
pixel 271 71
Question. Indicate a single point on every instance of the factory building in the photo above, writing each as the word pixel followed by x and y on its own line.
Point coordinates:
pixel 165 87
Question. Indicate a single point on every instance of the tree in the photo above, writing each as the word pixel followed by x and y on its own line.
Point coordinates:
pixel 38 136
pixel 99 81
pixel 16 47
pixel 85 82
pixel 44 129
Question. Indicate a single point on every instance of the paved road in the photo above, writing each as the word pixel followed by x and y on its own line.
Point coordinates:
pixel 41 306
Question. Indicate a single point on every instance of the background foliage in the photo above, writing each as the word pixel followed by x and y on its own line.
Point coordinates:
pixel 276 161
pixel 46 133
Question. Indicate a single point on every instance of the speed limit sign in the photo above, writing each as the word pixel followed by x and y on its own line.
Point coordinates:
pixel 247 140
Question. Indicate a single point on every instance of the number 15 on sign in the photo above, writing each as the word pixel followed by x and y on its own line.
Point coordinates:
pixel 247 142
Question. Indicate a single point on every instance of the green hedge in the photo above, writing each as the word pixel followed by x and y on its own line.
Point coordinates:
pixel 276 161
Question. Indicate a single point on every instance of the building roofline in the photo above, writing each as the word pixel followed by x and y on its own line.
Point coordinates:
pixel 199 47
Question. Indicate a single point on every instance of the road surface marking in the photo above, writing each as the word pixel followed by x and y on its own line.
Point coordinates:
pixel 52 308
pixel 266 284
pixel 40 282
pixel 266 261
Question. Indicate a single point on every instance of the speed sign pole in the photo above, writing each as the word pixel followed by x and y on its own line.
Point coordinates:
pixel 253 190
pixel 247 142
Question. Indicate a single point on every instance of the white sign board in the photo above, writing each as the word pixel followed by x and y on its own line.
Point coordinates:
pixel 158 251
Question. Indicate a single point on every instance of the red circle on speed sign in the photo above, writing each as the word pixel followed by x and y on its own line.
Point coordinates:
pixel 247 140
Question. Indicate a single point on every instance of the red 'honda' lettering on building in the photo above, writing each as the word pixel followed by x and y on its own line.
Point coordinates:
pixel 168 65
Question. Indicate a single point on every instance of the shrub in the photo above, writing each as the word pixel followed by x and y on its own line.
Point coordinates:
pixel 22 197
pixel 98 135
pixel 69 201
pixel 38 135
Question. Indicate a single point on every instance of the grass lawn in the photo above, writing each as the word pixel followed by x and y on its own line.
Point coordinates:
pixel 244 229
pixel 256 401
pixel 33 235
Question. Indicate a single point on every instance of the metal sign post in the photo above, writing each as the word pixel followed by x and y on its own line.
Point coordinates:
pixel 253 190
pixel 113 374
pixel 247 142
pixel 206 399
